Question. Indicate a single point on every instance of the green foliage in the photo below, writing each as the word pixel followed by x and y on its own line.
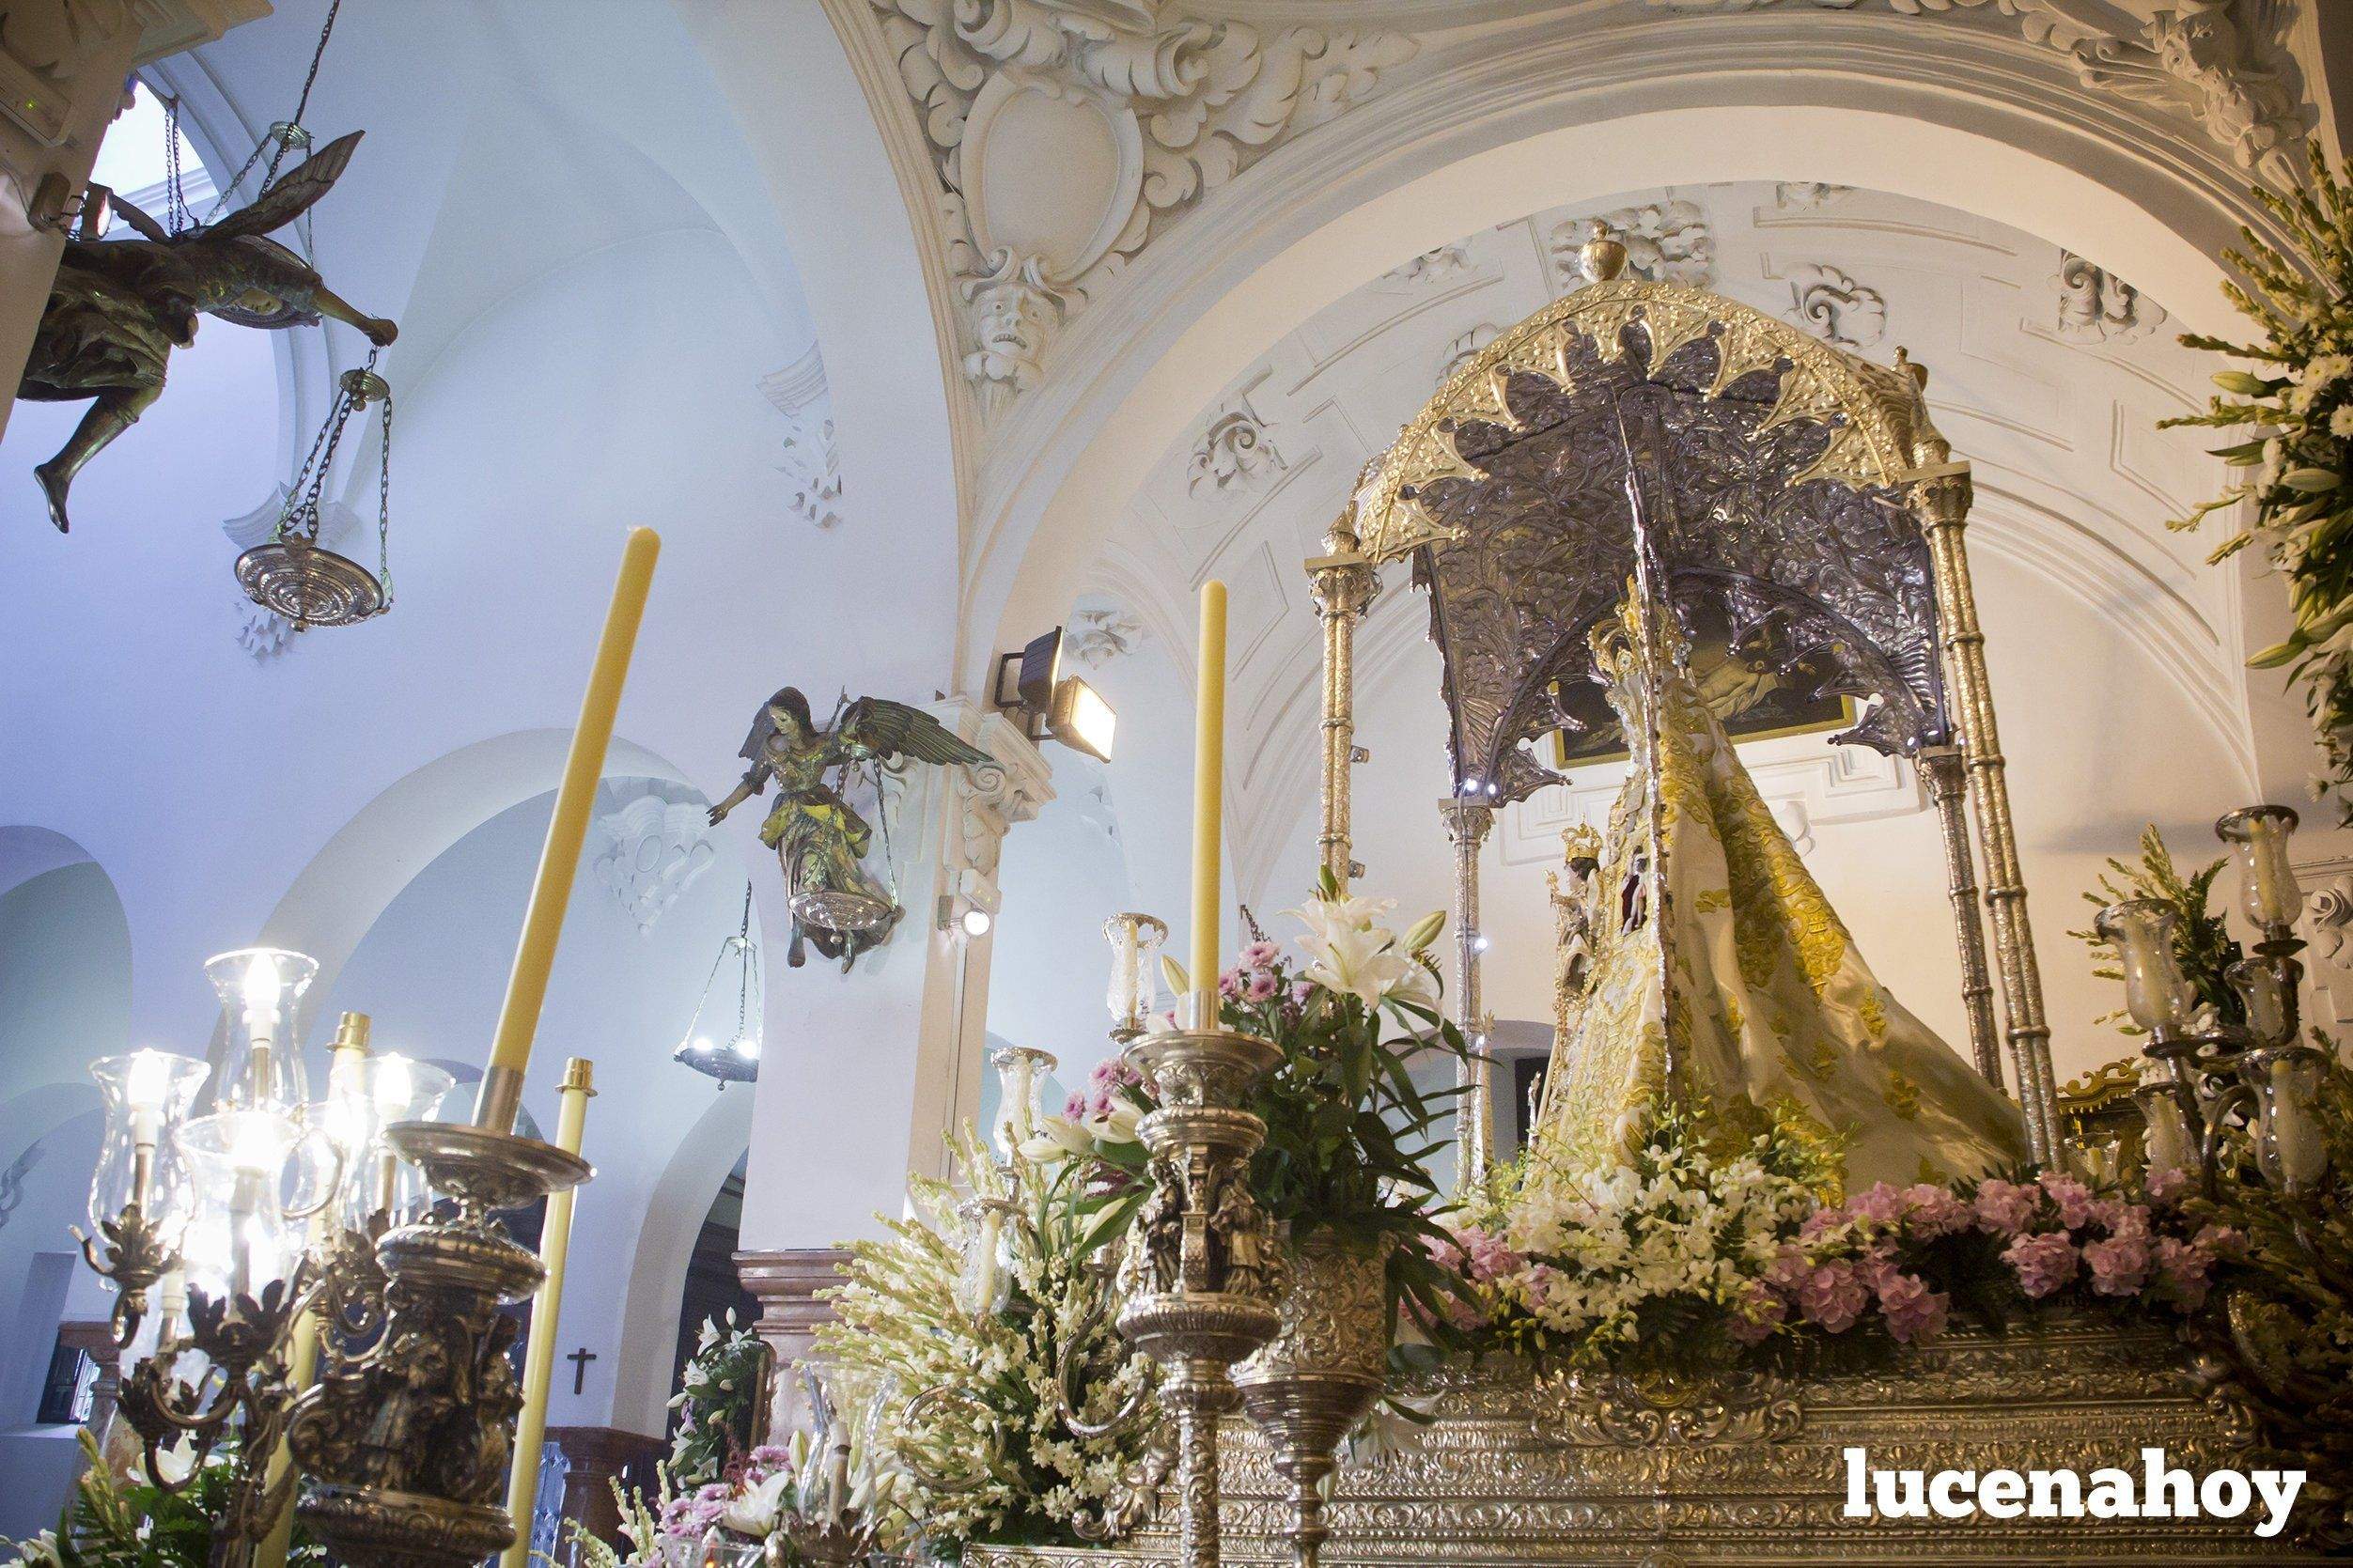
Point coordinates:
pixel 129 1522
pixel 2203 945
pixel 2297 419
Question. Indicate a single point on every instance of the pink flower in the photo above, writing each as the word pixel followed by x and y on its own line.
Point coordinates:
pixel 1935 1212
pixel 2005 1209
pixel 1787 1269
pixel 1913 1312
pixel 2221 1240
pixel 1260 956
pixel 1229 985
pixel 2120 1266
pixel 1445 1254
pixel 1879 1204
pixel 1262 987
pixel 1301 991
pixel 1075 1108
pixel 2044 1261
pixel 1832 1294
pixel 2073 1198
pixel 2185 1267
pixel 1758 1313
pixel 1489 1257
pixel 1820 1222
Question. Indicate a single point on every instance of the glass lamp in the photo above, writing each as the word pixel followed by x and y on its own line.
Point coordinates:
pixel 1019 1070
pixel 1135 943
pixel 2291 1148
pixel 258 987
pixel 2157 994
pixel 984 1283
pixel 2268 891
pixel 733 1057
pixel 2170 1144
pixel 400 1088
pixel 147 1094
pixel 2263 993
pixel 236 1241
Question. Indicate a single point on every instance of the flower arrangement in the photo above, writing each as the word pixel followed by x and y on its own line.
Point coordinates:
pixel 2298 414
pixel 991 1456
pixel 1349 1135
pixel 128 1521
pixel 1688 1254
pixel 809 1492
pixel 717 1402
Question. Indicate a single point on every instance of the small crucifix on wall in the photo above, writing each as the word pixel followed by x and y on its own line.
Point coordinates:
pixel 579 1359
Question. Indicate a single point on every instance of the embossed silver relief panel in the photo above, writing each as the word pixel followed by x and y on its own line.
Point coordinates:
pixel 1518 1467
pixel 1826 584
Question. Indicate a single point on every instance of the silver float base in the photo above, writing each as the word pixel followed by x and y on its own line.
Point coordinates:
pixel 1521 1470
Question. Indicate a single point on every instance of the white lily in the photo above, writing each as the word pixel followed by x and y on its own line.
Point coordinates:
pixel 173 1463
pixel 756 1512
pixel 1115 1124
pixel 1356 961
pixel 1057 1139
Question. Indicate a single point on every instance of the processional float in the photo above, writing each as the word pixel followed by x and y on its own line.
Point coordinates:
pixel 1731 464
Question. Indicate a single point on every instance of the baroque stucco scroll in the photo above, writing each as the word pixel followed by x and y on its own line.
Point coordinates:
pixel 1067 133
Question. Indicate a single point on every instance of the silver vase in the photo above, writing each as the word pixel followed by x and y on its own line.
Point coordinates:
pixel 1321 1373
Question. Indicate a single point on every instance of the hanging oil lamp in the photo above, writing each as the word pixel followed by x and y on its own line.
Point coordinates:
pixel 737 1059
pixel 290 573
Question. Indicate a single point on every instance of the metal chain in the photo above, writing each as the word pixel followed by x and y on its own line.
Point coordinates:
pixel 384 495
pixel 743 970
pixel 176 214
pixel 301 104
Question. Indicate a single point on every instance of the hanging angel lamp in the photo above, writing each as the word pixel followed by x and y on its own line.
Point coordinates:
pixel 291 573
pixel 737 1059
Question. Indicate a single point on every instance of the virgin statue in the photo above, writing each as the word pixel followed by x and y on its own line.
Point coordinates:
pixel 1718 978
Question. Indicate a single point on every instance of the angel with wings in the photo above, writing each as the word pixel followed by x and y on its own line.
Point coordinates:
pixel 819 838
pixel 118 307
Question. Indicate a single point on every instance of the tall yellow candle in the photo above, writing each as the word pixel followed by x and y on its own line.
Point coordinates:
pixel 1208 801
pixel 539 1356
pixel 535 955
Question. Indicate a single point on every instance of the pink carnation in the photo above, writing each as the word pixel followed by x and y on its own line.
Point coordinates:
pixel 2044 1261
pixel 2120 1266
pixel 1832 1294
pixel 1260 956
pixel 1913 1312
pixel 1229 985
pixel 1074 1108
pixel 2005 1209
pixel 1262 987
pixel 2073 1198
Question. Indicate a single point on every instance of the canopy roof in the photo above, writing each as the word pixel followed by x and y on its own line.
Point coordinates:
pixel 1771 471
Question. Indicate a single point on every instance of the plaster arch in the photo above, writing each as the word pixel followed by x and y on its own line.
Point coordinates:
pixel 356 873
pixel 1483 144
pixel 665 1238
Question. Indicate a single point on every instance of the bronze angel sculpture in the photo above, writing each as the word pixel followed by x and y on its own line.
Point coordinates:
pixel 118 307
pixel 819 838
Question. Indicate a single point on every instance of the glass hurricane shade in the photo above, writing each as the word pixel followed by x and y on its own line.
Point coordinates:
pixel 400 1088
pixel 1135 944
pixel 147 1094
pixel 258 987
pixel 2264 995
pixel 2291 1147
pixel 2169 1145
pixel 1019 1070
pixel 984 1283
pixel 2143 930
pixel 2259 839
pixel 236 1234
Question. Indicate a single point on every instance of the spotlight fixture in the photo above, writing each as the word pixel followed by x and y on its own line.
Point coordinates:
pixel 971 910
pixel 1031 683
